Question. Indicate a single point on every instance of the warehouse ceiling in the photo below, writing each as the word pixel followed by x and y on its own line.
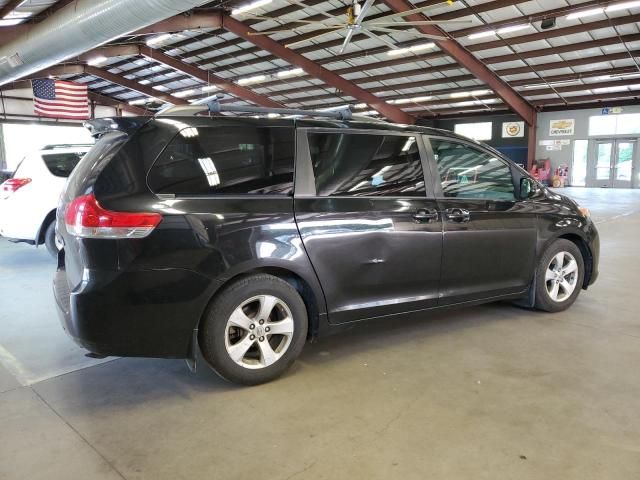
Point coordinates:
pixel 587 53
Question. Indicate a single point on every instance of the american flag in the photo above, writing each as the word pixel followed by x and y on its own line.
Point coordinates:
pixel 60 99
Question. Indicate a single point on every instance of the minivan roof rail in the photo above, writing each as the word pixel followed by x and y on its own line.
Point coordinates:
pixel 66 145
pixel 213 105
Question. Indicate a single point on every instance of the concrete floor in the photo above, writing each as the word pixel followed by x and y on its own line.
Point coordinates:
pixel 484 393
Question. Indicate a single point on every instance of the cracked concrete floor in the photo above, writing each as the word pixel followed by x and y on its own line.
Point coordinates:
pixel 488 392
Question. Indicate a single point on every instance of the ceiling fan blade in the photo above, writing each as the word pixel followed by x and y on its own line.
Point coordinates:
pixel 295 29
pixel 347 40
pixel 311 8
pixel 408 32
pixel 422 22
pixel 285 19
pixel 380 38
pixel 408 12
pixel 293 44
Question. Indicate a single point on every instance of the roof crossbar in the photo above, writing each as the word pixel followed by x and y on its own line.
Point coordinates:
pixel 214 106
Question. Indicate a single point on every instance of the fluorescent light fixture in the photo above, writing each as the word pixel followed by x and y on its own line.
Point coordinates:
pixel 154 41
pixel 620 88
pixel 513 28
pixel 488 33
pixel 290 73
pixel 467 103
pixel 360 105
pixel 250 6
pixel 474 93
pixel 210 88
pixel 254 79
pixel 622 6
pixel 369 113
pixel 10 22
pixel 94 62
pixel 140 101
pixel 619 75
pixel 144 82
pixel 585 13
pixel 552 84
pixel 415 48
pixel 184 93
pixel 401 101
pixel 15 18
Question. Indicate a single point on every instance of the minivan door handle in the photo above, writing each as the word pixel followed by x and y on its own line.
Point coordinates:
pixel 458 215
pixel 424 215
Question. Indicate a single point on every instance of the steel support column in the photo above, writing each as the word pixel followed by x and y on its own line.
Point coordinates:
pixel 531 145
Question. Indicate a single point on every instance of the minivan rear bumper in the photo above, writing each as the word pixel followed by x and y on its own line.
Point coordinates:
pixel 130 314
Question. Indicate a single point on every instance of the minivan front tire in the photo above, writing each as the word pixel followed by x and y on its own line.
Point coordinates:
pixel 559 276
pixel 254 329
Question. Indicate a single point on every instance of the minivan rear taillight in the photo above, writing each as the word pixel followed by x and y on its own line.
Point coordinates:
pixel 14 184
pixel 85 218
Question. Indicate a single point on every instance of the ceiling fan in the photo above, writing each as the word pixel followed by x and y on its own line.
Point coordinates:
pixel 356 23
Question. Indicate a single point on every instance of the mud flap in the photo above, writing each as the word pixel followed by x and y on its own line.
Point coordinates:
pixel 192 355
pixel 530 300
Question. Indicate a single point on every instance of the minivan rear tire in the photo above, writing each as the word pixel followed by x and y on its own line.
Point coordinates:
pixel 244 302
pixel 568 252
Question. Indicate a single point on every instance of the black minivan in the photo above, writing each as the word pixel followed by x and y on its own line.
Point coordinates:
pixel 241 238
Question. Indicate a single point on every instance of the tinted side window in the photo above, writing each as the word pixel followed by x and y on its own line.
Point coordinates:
pixel 366 165
pixel 467 172
pixel 62 164
pixel 227 160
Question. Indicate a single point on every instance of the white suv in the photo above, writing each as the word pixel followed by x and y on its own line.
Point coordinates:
pixel 28 200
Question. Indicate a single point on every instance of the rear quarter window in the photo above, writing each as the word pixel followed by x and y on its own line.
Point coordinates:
pixel 62 164
pixel 226 160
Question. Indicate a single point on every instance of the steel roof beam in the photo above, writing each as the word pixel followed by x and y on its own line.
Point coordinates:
pixel 117 104
pixel 181 23
pixel 430 56
pixel 133 85
pixel 492 5
pixel 461 55
pixel 420 71
pixel 330 78
pixel 207 78
pixel 459 78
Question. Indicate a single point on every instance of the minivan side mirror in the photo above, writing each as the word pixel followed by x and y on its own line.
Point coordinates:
pixel 527 188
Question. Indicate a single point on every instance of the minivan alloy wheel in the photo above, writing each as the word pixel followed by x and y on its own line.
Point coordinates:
pixel 259 331
pixel 561 276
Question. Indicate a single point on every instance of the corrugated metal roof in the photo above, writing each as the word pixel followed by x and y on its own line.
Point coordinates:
pixel 505 34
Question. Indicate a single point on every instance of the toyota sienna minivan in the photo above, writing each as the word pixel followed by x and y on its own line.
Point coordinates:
pixel 239 238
